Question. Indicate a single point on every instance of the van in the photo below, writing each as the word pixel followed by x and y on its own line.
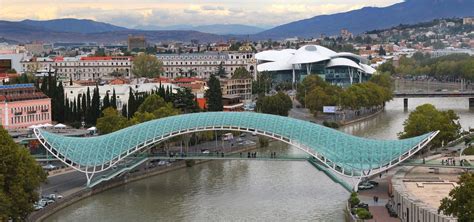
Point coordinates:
pixel 227 136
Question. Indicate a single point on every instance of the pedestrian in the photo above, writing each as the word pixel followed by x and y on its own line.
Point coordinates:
pixel 240 154
pixel 442 162
pixel 373 198
pixel 222 154
pixel 248 155
pixel 454 162
pixel 423 160
pixel 380 175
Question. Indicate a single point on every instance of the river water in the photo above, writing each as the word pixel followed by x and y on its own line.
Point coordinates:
pixel 246 190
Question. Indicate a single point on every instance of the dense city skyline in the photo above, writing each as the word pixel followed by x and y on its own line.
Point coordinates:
pixel 164 13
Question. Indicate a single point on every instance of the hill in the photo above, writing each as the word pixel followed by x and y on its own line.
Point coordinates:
pixel 73 25
pixel 220 29
pixel 370 18
pixel 22 32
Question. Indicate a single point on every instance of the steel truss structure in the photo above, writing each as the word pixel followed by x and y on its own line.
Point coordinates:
pixel 344 154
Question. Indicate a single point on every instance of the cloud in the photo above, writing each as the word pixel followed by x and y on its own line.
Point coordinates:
pixel 212 8
pixel 173 12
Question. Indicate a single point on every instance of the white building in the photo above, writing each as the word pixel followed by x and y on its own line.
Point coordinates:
pixel 83 67
pixel 292 65
pixel 205 64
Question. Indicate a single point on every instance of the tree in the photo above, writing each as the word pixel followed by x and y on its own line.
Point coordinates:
pixel 309 83
pixel 20 177
pixel 145 65
pixel 263 84
pixel 460 202
pixel 279 104
pixel 214 95
pixel 131 105
pixel 382 51
pixel 386 67
pixel 241 73
pixel 185 101
pixel 221 71
pixel 153 107
pixel 113 101
pixel 426 118
pixel 106 101
pixel 111 121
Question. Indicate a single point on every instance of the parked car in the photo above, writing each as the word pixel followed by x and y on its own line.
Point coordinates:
pixel 365 186
pixel 243 135
pixel 49 167
pixel 373 182
pixel 37 207
pixel 205 152
pixel 54 196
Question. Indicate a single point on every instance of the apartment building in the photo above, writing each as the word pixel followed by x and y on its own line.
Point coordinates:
pixel 22 105
pixel 204 64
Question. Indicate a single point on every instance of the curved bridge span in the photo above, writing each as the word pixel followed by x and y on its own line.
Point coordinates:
pixel 344 154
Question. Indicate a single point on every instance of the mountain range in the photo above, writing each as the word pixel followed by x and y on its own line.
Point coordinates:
pixel 370 18
pixel 220 29
pixel 356 21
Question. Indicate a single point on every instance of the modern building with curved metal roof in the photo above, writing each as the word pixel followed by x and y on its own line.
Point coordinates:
pixel 345 154
pixel 339 68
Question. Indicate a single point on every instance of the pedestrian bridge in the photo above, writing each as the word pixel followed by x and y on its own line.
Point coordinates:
pixel 344 154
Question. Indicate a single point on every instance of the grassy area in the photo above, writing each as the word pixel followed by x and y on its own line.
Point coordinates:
pixel 469 151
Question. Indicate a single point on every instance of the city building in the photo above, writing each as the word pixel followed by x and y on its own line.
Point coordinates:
pixel 204 64
pixel 136 42
pixel 450 51
pixel 12 61
pixel 38 49
pixel 345 34
pixel 293 65
pixel 22 105
pixel 82 67
pixel 468 21
pixel 241 88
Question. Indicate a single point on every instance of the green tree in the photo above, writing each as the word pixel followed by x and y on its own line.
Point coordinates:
pixel 214 94
pixel 106 101
pixel 426 118
pixel 20 177
pixel 111 121
pixel 386 67
pixel 145 65
pixel 309 83
pixel 185 101
pixel 154 107
pixel 279 104
pixel 221 71
pixel 460 202
pixel 263 84
pixel 113 100
pixel 241 73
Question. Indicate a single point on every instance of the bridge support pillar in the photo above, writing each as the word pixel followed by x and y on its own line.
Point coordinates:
pixel 405 103
pixel 471 102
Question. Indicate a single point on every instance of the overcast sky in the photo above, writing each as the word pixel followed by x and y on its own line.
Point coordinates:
pixel 131 13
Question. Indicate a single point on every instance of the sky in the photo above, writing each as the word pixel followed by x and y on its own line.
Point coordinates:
pixel 132 13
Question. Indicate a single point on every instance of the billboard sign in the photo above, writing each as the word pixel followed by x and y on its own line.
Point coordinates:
pixel 329 109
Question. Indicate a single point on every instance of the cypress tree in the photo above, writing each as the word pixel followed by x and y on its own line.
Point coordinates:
pixel 84 108
pixel 59 101
pixel 44 85
pixel 67 111
pixel 124 111
pixel 105 101
pixel 95 106
pixel 113 101
pixel 131 104
pixel 214 95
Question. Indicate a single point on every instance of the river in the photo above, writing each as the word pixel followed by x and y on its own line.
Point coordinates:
pixel 246 190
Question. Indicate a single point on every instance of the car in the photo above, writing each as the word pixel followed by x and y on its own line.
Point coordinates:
pixel 365 186
pixel 205 152
pixel 373 182
pixel 49 167
pixel 254 133
pixel 243 135
pixel 238 140
pixel 54 196
pixel 162 163
pixel 42 203
pixel 362 205
pixel 37 207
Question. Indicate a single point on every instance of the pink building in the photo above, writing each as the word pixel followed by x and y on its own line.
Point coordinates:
pixel 22 105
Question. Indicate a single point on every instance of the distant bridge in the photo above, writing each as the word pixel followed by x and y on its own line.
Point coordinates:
pixel 433 94
pixel 422 94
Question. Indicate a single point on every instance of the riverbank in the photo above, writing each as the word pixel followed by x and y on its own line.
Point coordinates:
pixel 85 192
